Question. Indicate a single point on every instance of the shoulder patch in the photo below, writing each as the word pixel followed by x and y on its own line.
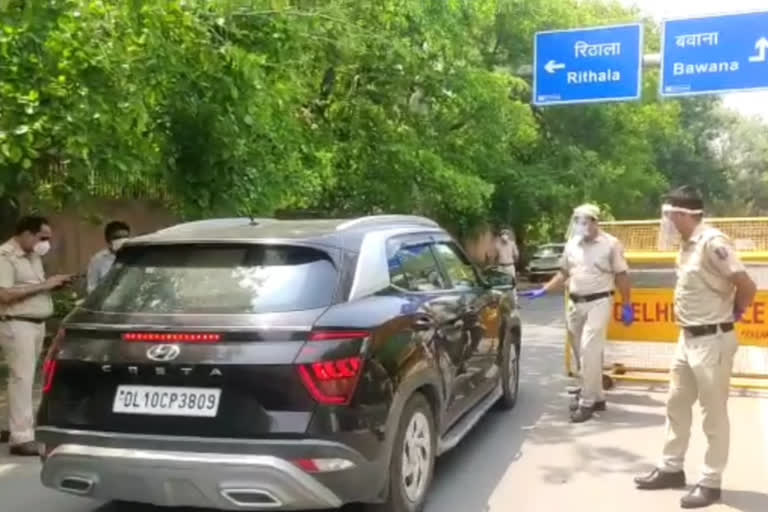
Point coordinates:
pixel 721 252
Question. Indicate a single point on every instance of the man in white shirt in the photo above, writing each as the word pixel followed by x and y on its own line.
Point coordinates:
pixel 115 234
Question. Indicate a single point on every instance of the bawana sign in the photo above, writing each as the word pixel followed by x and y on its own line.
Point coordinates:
pixel 715 54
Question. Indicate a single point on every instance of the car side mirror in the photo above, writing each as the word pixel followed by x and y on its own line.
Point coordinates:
pixel 499 280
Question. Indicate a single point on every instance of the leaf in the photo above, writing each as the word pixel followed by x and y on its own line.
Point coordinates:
pixel 15 154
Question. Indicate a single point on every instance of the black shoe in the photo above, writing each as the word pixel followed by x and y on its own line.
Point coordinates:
pixel 658 479
pixel 700 497
pixel 5 436
pixel 574 405
pixel 582 414
pixel 28 449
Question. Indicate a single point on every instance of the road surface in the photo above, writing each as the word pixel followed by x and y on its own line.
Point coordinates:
pixel 531 459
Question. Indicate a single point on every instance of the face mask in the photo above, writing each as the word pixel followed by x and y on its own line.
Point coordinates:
pixel 42 248
pixel 116 244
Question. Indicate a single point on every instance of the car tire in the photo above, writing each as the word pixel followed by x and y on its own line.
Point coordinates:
pixel 409 494
pixel 510 372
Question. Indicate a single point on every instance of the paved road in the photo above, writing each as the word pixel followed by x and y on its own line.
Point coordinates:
pixel 521 460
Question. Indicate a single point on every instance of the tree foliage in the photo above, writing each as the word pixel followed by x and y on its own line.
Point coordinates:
pixel 338 106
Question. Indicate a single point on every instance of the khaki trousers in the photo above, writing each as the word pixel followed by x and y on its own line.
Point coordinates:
pixel 508 269
pixel 587 324
pixel 21 343
pixel 701 370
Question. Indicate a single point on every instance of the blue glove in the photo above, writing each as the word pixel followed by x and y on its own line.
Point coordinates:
pixel 737 314
pixel 534 294
pixel 627 315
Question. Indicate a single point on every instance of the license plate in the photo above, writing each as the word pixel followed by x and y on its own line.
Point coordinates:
pixel 167 401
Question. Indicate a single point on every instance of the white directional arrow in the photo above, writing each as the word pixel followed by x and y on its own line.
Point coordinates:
pixel 553 66
pixel 761 46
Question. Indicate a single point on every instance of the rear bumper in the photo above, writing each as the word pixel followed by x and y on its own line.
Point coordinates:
pixel 225 474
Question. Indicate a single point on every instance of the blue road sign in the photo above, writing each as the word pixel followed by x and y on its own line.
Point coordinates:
pixel 715 54
pixel 588 65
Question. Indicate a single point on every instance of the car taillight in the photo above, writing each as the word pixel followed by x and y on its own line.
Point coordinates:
pixel 338 335
pixel 165 337
pixel 49 365
pixel 332 382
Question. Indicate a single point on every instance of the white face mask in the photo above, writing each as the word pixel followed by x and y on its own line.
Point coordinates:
pixel 116 244
pixel 42 248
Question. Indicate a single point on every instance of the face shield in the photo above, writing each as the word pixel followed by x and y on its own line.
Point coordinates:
pixel 578 229
pixel 669 236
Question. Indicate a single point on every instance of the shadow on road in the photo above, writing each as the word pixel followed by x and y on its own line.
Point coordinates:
pixel 746 501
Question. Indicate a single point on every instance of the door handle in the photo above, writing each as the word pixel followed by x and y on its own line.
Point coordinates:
pixel 423 323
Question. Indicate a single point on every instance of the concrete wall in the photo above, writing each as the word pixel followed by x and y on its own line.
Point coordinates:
pixel 479 246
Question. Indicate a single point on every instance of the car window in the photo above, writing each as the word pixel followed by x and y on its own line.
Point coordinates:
pixel 216 280
pixel 460 271
pixel 415 269
pixel 549 252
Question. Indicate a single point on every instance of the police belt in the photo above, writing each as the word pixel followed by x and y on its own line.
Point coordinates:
pixel 589 298
pixel 696 331
pixel 22 319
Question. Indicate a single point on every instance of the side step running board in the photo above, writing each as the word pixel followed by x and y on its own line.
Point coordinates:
pixel 468 422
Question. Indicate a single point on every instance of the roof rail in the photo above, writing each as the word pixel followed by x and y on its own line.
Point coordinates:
pixel 382 219
pixel 225 221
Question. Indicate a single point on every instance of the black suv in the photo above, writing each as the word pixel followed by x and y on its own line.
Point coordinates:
pixel 254 364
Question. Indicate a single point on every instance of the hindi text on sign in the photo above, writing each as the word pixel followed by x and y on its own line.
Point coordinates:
pixel 696 40
pixel 584 49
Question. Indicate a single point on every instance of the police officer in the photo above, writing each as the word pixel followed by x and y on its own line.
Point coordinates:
pixel 713 290
pixel 507 253
pixel 25 304
pixel 593 263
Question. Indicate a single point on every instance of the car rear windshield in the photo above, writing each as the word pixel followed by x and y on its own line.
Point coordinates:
pixel 216 279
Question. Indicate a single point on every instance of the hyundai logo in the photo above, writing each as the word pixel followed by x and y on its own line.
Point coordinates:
pixel 163 352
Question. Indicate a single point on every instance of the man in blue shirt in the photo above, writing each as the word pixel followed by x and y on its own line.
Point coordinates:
pixel 115 234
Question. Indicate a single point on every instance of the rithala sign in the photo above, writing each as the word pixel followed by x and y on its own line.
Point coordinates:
pixel 588 65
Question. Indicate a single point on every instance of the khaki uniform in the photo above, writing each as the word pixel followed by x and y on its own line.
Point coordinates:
pixel 22 341
pixel 506 254
pixel 591 267
pixel 704 295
